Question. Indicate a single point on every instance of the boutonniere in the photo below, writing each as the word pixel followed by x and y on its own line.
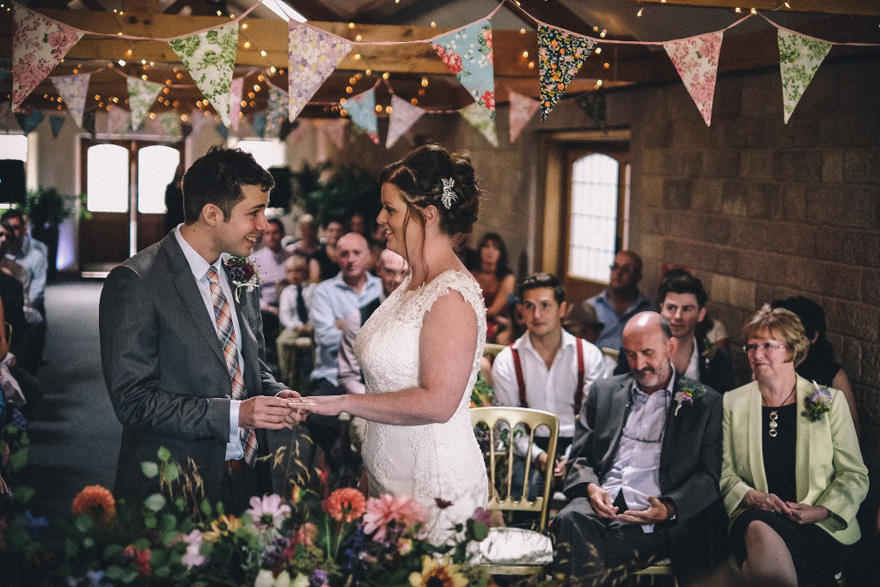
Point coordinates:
pixel 243 274
pixel 817 403
pixel 709 349
pixel 686 394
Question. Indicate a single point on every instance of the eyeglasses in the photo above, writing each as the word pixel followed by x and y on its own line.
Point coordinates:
pixel 622 268
pixel 766 347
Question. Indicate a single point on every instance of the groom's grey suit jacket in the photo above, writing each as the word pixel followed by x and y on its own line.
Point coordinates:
pixel 165 370
pixel 690 456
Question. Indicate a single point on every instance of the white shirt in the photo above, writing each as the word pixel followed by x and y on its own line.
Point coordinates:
pixel 636 469
pixel 287 304
pixel 199 268
pixel 693 368
pixel 551 390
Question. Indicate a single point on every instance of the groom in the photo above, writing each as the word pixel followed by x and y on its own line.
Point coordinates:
pixel 182 345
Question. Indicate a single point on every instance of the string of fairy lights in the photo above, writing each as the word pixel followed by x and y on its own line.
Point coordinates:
pixel 258 79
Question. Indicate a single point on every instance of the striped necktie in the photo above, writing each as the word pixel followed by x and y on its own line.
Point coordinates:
pixel 226 333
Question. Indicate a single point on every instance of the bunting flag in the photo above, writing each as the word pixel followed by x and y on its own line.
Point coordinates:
pixel 6 117
pixel 38 45
pixel 258 124
pixel 560 56
pixel 170 123
pixel 118 121
pixel 141 95
pixel 73 90
pixel 696 60
pixel 313 55
pixel 210 57
pixel 362 110
pixel 56 123
pixel 468 54
pixel 28 121
pixel 522 109
pixel 335 131
pixel 482 121
pixel 275 112
pixel 222 130
pixel 88 124
pixel 799 58
pixel 403 116
pixel 236 91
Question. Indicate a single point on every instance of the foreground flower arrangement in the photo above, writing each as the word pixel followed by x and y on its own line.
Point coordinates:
pixel 297 541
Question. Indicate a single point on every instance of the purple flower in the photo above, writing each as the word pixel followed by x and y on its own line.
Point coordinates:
pixel 817 403
pixel 268 512
pixel 193 556
pixel 318 578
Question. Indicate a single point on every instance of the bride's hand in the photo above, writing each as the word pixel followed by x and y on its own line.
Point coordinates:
pixel 323 405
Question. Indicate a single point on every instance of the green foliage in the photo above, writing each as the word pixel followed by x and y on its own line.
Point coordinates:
pixel 47 206
pixel 348 190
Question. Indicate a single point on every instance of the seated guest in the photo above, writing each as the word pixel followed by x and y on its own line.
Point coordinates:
pixel 621 300
pixel 644 467
pixel 324 263
pixel 293 313
pixel 682 302
pixel 308 242
pixel 28 326
pixel 819 365
pixel 582 321
pixel 357 222
pixel 269 261
pixel 546 369
pixel 711 330
pixel 511 329
pixel 793 475
pixel 495 279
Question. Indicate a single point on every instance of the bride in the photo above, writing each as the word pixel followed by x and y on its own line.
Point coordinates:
pixel 420 351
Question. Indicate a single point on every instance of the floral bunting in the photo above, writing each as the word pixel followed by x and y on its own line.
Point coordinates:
pixel 799 58
pixel 38 45
pixel 482 121
pixel 29 120
pixel 335 131
pixel 73 90
pixel 313 55
pixel 403 116
pixel 362 110
pixel 696 60
pixel 236 90
pixel 141 95
pixel 275 111
pixel 170 123
pixel 467 53
pixel 210 57
pixel 56 123
pixel 118 121
pixel 560 56
pixel 522 109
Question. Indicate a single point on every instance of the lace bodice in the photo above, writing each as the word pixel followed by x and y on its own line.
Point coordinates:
pixel 433 460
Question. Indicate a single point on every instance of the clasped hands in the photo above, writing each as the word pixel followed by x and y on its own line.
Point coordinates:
pixel 600 499
pixel 797 512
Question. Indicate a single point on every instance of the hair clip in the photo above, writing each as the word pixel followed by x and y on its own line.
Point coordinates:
pixel 449 197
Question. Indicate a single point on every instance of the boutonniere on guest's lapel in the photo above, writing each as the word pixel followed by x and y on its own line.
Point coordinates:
pixel 686 394
pixel 709 349
pixel 817 403
pixel 243 274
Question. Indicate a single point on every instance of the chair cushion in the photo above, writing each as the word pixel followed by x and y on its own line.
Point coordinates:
pixel 513 546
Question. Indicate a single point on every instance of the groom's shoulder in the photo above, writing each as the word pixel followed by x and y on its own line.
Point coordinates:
pixel 148 262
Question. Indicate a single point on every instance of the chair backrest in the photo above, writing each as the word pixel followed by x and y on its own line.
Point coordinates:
pixel 492 349
pixel 496 427
pixel 614 354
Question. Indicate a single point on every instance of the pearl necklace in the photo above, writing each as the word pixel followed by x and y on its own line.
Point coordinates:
pixel 774 416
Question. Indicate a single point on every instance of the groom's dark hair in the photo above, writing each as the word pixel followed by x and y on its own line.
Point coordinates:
pixel 217 177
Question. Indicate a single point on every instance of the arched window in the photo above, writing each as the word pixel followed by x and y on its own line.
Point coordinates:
pixel 107 172
pixel 156 167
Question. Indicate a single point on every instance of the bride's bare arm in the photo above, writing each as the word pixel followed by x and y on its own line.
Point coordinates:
pixel 447 345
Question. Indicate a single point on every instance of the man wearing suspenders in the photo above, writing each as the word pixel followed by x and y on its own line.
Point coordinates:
pixel 546 369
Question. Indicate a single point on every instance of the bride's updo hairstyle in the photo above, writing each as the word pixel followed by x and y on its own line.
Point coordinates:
pixel 423 178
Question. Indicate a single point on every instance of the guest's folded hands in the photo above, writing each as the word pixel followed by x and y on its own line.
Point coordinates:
pixel 601 501
pixel 806 514
pixel 654 514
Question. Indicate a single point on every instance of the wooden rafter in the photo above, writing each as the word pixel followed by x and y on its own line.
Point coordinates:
pixel 851 7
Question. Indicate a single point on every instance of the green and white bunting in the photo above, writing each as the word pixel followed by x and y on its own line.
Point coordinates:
pixel 210 57
pixel 799 58
pixel 481 120
pixel 141 95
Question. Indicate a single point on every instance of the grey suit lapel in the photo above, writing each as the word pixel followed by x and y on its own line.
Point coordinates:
pixel 671 425
pixel 620 404
pixel 188 290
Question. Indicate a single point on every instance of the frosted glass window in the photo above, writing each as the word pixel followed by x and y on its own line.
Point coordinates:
pixel 593 229
pixel 156 167
pixel 107 169
pixel 14 147
pixel 268 153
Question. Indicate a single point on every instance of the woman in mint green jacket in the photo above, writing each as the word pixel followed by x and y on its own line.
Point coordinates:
pixel 792 475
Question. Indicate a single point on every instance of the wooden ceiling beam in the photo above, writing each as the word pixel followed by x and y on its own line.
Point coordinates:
pixel 851 7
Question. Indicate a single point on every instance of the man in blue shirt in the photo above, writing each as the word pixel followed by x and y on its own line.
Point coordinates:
pixel 621 300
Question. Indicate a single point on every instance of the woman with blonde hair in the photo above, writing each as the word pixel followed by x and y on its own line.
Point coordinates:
pixel 792 475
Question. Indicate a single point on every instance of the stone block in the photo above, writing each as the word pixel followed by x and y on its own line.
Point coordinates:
pixel 734 198
pixel 763 267
pixel 831 279
pixel 870 368
pixel 849 353
pixel 721 163
pixel 728 100
pixel 797 166
pixel 756 164
pixel 760 199
pixel 733 291
pixel 802 134
pixel 853 319
pixel 678 163
pixel 652 161
pixel 853 247
pixel 766 293
pixel 832 166
pixel 658 134
pixel 657 222
pixel 791 204
pixel 707 195
pixel 858 130
pixel 650 190
pixel 871 287
pixel 677 193
pixel 862 166
pixel 789 238
pixel 858 206
pixel 756 90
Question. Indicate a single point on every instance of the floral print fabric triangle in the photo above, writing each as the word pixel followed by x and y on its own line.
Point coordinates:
pixel 799 59
pixel 73 90
pixel 362 109
pixel 468 54
pixel 696 60
pixel 561 56
pixel 313 56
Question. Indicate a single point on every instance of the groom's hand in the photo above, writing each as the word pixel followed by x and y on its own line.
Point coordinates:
pixel 263 411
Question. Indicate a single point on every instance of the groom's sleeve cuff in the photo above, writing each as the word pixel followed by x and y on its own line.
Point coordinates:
pixel 234 406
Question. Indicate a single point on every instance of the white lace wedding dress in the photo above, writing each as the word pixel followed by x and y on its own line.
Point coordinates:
pixel 434 460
